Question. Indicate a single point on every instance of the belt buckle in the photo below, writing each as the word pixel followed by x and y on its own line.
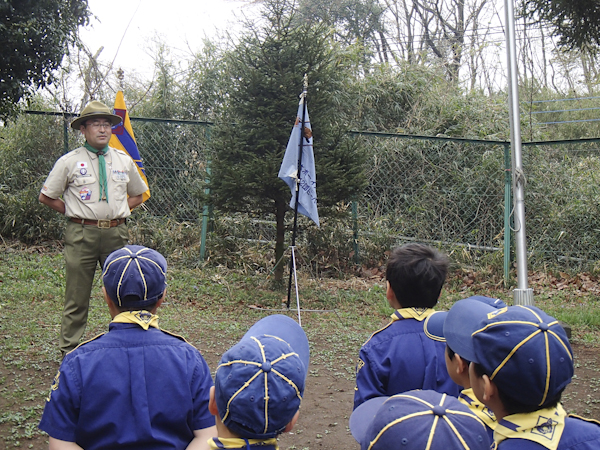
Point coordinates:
pixel 104 223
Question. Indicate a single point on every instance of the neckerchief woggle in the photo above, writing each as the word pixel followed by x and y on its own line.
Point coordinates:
pixel 544 426
pixel 419 314
pixel 101 169
pixel 142 318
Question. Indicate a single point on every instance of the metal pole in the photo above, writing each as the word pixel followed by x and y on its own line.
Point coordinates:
pixel 507 204
pixel 523 295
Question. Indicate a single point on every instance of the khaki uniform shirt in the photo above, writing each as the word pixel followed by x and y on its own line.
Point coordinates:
pixel 75 177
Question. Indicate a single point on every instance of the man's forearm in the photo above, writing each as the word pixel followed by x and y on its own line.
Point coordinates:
pixel 55 203
pixel 135 201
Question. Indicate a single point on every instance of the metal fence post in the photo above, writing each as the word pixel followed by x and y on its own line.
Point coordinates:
pixel 65 133
pixel 355 231
pixel 205 208
pixel 507 206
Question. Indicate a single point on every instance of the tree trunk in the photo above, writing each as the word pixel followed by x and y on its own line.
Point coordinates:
pixel 280 208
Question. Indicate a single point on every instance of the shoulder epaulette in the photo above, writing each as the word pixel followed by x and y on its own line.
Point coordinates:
pixel 181 338
pixel 89 340
pixel 585 418
pixel 378 331
pixel 118 150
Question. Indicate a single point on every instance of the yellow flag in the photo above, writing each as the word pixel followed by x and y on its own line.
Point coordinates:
pixel 123 139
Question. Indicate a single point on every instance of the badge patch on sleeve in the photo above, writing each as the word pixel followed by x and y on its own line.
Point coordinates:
pixel 54 386
pixel 85 193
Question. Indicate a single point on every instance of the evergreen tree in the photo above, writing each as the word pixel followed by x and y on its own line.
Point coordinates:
pixel 267 69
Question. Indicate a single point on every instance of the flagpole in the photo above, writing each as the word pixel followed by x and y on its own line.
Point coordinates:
pixel 298 175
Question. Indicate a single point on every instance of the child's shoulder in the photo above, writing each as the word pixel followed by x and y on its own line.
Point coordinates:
pixel 395 329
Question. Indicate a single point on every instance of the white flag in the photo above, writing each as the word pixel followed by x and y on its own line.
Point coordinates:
pixel 307 200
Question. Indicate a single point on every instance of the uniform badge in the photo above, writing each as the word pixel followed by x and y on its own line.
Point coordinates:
pixel 144 316
pixel 85 193
pixel 119 175
pixel 545 427
pixel 54 386
pixel 83 167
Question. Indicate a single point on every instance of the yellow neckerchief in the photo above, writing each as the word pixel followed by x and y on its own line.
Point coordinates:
pixel 544 426
pixel 144 319
pixel 219 443
pixel 419 314
pixel 485 414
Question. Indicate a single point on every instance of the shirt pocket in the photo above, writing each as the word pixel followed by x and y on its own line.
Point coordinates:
pixel 120 179
pixel 82 181
pixel 83 188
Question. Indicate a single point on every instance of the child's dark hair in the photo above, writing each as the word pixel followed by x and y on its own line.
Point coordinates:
pixel 451 354
pixel 513 406
pixel 416 274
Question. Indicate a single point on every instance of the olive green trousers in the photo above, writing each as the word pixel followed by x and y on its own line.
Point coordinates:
pixel 85 247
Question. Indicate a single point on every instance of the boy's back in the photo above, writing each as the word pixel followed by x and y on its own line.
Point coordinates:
pixel 400 357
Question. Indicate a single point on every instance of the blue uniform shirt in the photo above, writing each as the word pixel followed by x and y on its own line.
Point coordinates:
pixel 400 357
pixel 131 387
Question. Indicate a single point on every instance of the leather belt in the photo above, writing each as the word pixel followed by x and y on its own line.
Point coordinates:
pixel 98 223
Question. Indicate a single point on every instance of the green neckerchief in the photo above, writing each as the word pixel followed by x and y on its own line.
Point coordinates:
pixel 544 426
pixel 143 318
pixel 101 169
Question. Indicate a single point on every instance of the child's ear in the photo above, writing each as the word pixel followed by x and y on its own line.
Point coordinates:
pixel 292 422
pixel 212 403
pixel 389 292
pixel 490 390
pixel 461 365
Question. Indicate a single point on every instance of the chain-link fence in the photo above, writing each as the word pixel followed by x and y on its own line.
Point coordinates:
pixel 562 203
pixel 448 192
pixel 453 193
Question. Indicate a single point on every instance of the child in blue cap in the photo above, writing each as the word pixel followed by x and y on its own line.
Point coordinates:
pixel 458 366
pixel 400 357
pixel 521 362
pixel 259 385
pixel 417 420
pixel 137 386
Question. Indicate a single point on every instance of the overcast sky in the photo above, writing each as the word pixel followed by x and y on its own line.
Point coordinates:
pixel 182 24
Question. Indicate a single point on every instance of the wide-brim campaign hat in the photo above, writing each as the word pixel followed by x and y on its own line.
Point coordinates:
pixel 455 336
pixel 260 381
pixel 417 419
pixel 96 110
pixel 523 350
pixel 135 276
